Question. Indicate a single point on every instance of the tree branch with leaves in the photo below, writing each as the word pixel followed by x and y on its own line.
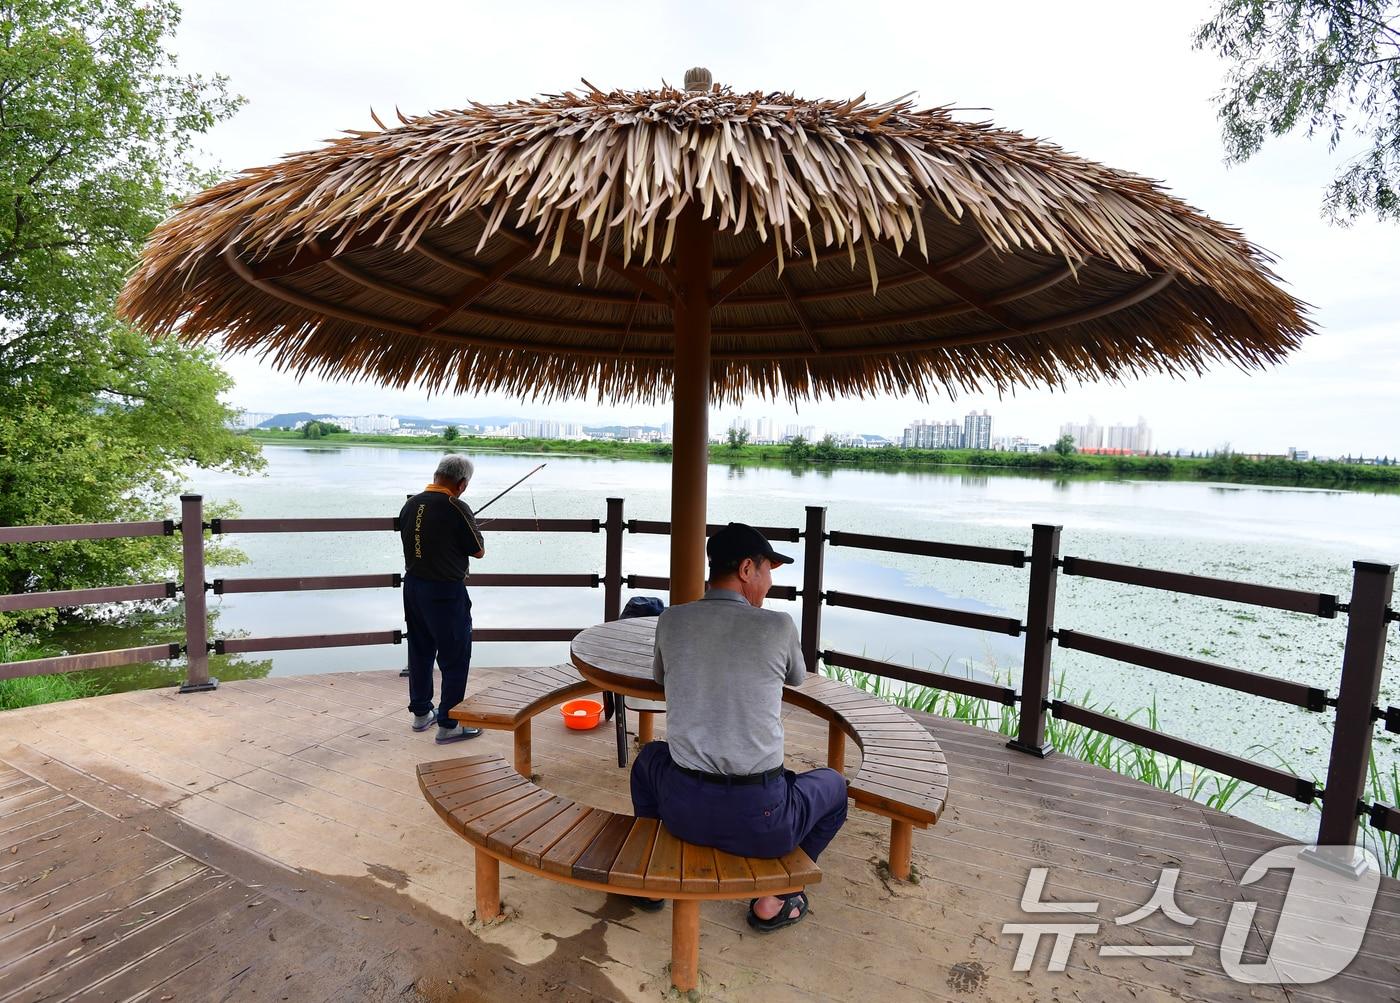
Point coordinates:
pixel 1331 69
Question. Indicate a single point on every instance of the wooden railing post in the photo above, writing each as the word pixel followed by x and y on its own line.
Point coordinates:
pixel 612 562
pixel 1371 587
pixel 813 574
pixel 196 611
pixel 1040 625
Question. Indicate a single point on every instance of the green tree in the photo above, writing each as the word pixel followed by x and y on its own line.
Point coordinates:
pixel 1064 445
pixel 450 433
pixel 826 451
pixel 1329 67
pixel 737 438
pixel 798 448
pixel 96 421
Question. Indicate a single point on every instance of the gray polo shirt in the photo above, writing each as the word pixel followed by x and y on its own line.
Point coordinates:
pixel 723 664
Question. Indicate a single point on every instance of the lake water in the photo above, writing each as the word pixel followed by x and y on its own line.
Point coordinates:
pixel 1290 537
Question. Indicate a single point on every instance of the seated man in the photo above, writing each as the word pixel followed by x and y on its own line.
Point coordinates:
pixel 719 779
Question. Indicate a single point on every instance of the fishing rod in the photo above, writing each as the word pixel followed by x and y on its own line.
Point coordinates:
pixel 508 490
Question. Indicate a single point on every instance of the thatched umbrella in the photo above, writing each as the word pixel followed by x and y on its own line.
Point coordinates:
pixel 703 244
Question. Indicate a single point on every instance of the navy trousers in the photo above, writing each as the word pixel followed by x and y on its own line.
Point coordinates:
pixel 748 820
pixel 439 616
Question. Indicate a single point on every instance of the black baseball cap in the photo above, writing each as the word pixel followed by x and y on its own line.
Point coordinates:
pixel 734 542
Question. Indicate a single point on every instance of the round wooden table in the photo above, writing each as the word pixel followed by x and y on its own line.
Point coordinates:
pixel 617 658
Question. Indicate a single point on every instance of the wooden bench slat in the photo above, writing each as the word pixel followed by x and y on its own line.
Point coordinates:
pixel 489 703
pixel 630 867
pixel 560 857
pixel 466 813
pixel 800 868
pixel 528 689
pixel 427 770
pixel 543 676
pixel 917 787
pixel 910 744
pixel 473 789
pixel 767 874
pixel 596 862
pixel 698 872
pixel 481 828
pixel 532 848
pixel 664 868
pixel 442 780
pixel 925 773
pixel 875 784
pixel 874 715
pixel 733 873
pixel 925 760
pixel 467 789
pixel 906 759
pixel 469 711
pixel 504 839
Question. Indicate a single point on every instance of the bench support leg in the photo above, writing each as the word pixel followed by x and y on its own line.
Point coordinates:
pixel 522 748
pixel 646 721
pixel 836 747
pixel 685 944
pixel 901 848
pixel 488 887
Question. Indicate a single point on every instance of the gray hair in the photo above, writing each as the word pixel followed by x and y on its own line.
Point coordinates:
pixel 454 468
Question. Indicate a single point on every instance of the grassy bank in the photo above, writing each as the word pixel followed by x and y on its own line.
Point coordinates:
pixel 30 691
pixel 1226 467
pixel 1153 768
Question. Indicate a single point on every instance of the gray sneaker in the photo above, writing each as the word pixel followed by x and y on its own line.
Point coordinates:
pixel 422 722
pixel 456 733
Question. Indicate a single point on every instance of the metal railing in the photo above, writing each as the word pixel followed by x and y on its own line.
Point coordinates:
pixel 1356 711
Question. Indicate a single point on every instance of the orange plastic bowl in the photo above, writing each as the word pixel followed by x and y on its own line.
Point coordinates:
pixel 581 714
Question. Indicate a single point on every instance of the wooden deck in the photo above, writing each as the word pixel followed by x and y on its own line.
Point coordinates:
pixel 267 841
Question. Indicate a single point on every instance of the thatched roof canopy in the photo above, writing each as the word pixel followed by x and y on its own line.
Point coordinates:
pixel 528 248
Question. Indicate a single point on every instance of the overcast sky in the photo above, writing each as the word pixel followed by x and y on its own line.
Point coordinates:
pixel 1114 82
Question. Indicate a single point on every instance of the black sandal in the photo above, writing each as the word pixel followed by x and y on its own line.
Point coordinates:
pixel 783 917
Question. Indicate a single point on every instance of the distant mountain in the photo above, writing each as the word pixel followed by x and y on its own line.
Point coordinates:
pixel 290 418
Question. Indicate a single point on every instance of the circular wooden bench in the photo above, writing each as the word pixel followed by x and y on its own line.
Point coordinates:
pixel 505 817
pixel 903 774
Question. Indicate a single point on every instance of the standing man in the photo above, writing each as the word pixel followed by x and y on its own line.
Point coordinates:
pixel 439 537
pixel 719 779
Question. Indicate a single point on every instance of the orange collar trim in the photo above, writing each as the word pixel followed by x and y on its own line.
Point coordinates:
pixel 438 489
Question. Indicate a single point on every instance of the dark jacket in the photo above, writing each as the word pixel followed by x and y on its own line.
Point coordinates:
pixel 439 536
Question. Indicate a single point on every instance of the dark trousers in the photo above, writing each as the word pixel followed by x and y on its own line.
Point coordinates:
pixel 748 820
pixel 439 616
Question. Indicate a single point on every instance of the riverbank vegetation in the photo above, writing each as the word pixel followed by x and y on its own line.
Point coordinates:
pixel 1220 467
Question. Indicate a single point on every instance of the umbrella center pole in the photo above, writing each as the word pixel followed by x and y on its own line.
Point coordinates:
pixel 690 453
